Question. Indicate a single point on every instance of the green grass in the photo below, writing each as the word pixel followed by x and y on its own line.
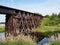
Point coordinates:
pixel 2 29
pixel 19 42
pixel 55 43
pixel 48 28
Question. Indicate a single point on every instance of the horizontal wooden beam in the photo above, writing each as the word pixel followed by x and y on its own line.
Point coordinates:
pixel 8 10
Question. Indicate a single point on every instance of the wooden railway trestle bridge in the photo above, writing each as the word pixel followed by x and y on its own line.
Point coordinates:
pixel 19 21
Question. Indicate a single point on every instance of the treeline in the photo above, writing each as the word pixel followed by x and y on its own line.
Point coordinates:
pixel 51 20
pixel 2 22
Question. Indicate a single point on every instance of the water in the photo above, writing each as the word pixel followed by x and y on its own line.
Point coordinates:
pixel 2 24
pixel 47 40
pixel 44 41
pixel 2 36
pixel 55 37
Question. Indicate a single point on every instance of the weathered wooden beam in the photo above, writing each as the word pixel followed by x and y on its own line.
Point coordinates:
pixel 6 11
pixel 8 25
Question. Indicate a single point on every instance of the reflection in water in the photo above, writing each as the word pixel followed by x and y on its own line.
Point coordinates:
pixel 2 24
pixel 52 38
pixel 43 41
pixel 55 37
pixel 2 36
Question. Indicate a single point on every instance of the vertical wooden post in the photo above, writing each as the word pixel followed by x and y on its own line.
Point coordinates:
pixel 8 25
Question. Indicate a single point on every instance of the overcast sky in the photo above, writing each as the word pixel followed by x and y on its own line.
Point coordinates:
pixel 39 6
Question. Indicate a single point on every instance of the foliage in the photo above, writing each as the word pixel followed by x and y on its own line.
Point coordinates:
pixel 45 22
pixel 2 22
pixel 59 15
pixel 47 16
pixel 52 20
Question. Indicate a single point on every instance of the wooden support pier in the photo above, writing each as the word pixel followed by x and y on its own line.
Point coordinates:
pixel 18 21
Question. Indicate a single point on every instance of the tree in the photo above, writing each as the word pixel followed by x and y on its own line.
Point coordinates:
pixel 38 13
pixel 2 22
pixel 47 16
pixel 59 15
pixel 53 16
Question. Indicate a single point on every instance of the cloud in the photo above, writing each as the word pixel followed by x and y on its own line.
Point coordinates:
pixel 57 1
pixel 40 9
pixel 12 0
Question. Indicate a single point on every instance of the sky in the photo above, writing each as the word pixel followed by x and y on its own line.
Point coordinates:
pixel 39 6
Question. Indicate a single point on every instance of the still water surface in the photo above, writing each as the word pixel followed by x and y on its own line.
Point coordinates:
pixel 2 24
pixel 2 36
pixel 48 40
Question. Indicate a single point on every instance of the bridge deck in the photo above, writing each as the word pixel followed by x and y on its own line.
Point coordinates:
pixel 9 10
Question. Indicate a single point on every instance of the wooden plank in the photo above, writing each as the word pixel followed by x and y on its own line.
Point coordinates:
pixel 6 11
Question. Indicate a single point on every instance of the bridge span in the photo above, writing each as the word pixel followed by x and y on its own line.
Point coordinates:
pixel 19 21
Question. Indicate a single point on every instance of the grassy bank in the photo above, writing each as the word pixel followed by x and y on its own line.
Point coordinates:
pixel 48 30
pixel 19 42
pixel 2 29
pixel 55 43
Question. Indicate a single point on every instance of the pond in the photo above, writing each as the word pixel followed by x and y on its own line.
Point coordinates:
pixel 44 41
pixel 2 36
pixel 50 39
